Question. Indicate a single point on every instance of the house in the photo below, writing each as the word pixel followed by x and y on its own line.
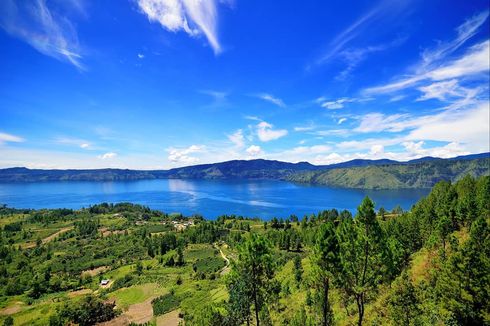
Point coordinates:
pixel 104 282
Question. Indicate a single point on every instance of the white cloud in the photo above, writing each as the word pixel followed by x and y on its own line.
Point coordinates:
pixel 435 65
pixel 254 151
pixel 339 103
pixel 237 138
pixel 195 17
pixel 266 133
pixel 107 156
pixel 469 127
pixel 382 11
pixel 377 150
pixel 8 138
pixel 310 126
pixel 464 32
pixel 272 99
pixel 177 155
pixel 341 120
pixel 377 122
pixel 141 56
pixel 81 143
pixel 441 90
pixel 46 30
pixel 220 98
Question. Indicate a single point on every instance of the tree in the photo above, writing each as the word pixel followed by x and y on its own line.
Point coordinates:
pixel 464 281
pixel 251 275
pixel 9 321
pixel 298 270
pixel 326 266
pixel 180 256
pixel 402 302
pixel 382 212
pixel 363 255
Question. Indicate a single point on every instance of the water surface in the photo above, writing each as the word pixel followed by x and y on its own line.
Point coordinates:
pixel 210 198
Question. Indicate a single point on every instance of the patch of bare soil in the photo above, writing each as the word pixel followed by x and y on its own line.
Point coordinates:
pixel 78 293
pixel 10 310
pixel 169 319
pixel 106 232
pixel 140 312
pixel 118 321
pixel 47 239
pixel 95 271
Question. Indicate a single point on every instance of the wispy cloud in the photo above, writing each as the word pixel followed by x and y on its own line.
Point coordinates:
pixel 266 132
pixel 220 98
pixel 81 143
pixel 341 120
pixel 107 156
pixel 436 64
pixel 340 45
pixel 183 155
pixel 272 99
pixel 339 103
pixel 9 138
pixel 353 57
pixel 464 32
pixel 254 151
pixel 237 138
pixel 191 16
pixel 46 30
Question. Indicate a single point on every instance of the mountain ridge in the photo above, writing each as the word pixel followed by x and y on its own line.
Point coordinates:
pixel 358 173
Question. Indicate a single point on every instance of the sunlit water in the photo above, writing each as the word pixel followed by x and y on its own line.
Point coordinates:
pixel 209 198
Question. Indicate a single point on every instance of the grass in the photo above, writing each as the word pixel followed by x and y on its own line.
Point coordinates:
pixel 137 294
pixel 209 264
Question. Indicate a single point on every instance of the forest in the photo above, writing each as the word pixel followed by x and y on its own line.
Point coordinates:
pixel 121 264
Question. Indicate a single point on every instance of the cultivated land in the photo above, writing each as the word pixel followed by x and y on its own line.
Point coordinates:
pixel 121 264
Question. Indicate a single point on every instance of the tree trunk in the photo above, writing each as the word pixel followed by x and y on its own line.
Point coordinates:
pixel 325 301
pixel 256 303
pixel 360 308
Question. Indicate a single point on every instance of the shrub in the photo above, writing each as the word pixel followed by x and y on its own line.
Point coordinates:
pixel 164 304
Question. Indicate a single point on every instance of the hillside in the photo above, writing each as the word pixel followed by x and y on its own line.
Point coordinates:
pixel 423 174
pixel 366 174
pixel 127 264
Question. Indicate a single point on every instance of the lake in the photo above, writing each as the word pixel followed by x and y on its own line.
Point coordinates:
pixel 210 198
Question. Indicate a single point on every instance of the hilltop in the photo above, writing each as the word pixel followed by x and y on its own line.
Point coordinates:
pixel 359 173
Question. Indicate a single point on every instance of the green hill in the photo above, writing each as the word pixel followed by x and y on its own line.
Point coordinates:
pixel 395 176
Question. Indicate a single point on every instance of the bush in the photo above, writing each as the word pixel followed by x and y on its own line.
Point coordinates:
pixel 90 311
pixel 164 304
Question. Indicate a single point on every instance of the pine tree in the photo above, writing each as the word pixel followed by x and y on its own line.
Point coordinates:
pixel 363 255
pixel 326 266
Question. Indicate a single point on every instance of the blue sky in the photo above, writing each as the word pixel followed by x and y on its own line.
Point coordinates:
pixel 164 83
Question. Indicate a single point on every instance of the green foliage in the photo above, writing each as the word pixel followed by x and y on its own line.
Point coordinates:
pixel 396 176
pixel 363 256
pixel 164 304
pixel 464 282
pixel 403 302
pixel 428 265
pixel 251 278
pixel 89 311
pixel 9 321
pixel 326 259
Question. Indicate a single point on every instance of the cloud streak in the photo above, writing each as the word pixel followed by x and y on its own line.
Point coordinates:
pixel 8 138
pixel 266 132
pixel 271 99
pixel 194 17
pixel 46 30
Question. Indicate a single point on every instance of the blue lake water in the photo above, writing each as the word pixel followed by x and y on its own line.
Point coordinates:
pixel 209 198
